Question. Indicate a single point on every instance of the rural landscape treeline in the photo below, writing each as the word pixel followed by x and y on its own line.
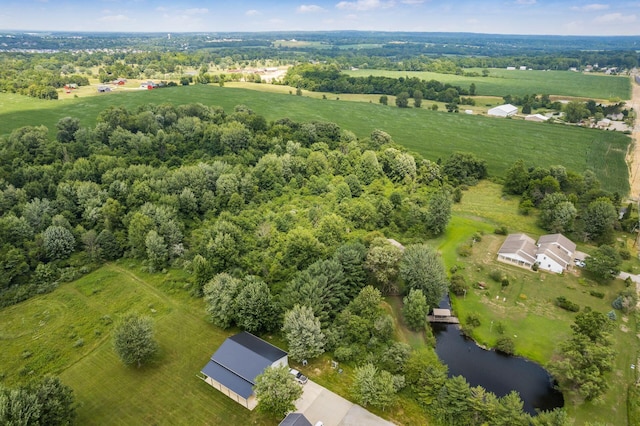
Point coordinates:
pixel 287 227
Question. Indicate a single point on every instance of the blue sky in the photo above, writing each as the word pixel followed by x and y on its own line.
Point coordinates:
pixel 500 16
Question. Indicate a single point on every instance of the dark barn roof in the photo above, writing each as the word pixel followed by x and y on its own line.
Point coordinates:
pixel 239 360
pixel 295 419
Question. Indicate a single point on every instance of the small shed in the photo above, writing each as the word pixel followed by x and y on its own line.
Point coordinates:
pixel 441 313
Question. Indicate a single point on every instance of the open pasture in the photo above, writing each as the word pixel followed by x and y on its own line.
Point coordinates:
pixel 501 82
pixel 434 135
pixel 41 336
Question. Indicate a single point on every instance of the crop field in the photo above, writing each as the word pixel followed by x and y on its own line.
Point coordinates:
pixel 525 308
pixel 501 82
pixel 42 335
pixel 434 135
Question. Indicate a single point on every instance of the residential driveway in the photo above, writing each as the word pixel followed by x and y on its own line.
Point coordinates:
pixel 320 404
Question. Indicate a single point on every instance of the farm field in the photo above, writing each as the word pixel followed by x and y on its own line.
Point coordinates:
pixel 525 307
pixel 501 82
pixel 434 135
pixel 40 336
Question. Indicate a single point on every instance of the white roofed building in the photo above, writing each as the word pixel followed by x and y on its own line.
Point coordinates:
pixel 506 110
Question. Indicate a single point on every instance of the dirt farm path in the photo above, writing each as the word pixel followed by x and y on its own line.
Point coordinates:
pixel 633 156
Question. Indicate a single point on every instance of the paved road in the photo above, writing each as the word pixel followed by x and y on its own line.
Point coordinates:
pixel 320 404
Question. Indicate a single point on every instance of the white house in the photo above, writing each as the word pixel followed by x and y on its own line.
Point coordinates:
pixel 553 252
pixel 518 249
pixel 234 367
pixel 506 110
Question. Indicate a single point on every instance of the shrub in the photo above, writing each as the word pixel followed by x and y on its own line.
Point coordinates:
pixel 344 353
pixel 500 328
pixel 535 266
pixel 505 282
pixel 525 207
pixel 496 275
pixel 464 250
pixel 612 315
pixel 566 304
pixel 458 285
pixel 624 254
pixel 505 345
pixel 597 294
pixel 477 237
pixel 501 230
pixel 473 321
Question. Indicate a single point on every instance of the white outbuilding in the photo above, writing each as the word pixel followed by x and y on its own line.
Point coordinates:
pixel 506 110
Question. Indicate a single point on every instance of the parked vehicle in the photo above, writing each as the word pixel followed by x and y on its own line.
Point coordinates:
pixel 300 378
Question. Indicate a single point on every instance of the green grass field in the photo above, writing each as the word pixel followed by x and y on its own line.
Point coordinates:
pixel 432 134
pixel 166 392
pixel 501 82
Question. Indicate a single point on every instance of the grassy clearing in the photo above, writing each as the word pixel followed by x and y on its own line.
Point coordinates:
pixel 501 82
pixel 432 134
pixel 525 308
pixel 165 392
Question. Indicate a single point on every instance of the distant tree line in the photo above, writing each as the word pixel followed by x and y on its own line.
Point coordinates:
pixel 328 78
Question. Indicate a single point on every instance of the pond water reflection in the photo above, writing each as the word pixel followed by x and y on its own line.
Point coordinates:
pixel 496 372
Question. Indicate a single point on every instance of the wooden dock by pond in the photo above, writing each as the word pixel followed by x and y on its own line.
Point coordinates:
pixel 443 316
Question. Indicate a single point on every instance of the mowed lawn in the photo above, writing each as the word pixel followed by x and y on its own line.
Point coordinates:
pixel 525 308
pixel 434 135
pixel 167 391
pixel 502 82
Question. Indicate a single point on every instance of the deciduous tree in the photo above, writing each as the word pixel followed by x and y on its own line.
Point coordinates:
pixel 303 333
pixel 220 295
pixel 373 387
pixel 133 339
pixel 277 390
pixel 415 309
pixel 422 268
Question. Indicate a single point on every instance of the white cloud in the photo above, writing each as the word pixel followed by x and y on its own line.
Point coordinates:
pixel 412 1
pixel 363 5
pixel 615 17
pixel 252 12
pixel 591 7
pixel 115 18
pixel 196 11
pixel 526 2
pixel 309 8
pixel 161 9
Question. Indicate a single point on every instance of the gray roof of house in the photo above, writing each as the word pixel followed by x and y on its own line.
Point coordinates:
pixel 239 360
pixel 519 244
pixel 559 239
pixel 295 419
pixel 556 253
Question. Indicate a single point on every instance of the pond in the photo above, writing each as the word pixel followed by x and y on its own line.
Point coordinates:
pixel 496 372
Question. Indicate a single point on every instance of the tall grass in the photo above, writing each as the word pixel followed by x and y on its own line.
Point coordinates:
pixel 40 336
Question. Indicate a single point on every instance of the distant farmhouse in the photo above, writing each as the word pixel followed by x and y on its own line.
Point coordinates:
pixel 506 110
pixel 554 252
pixel 234 367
